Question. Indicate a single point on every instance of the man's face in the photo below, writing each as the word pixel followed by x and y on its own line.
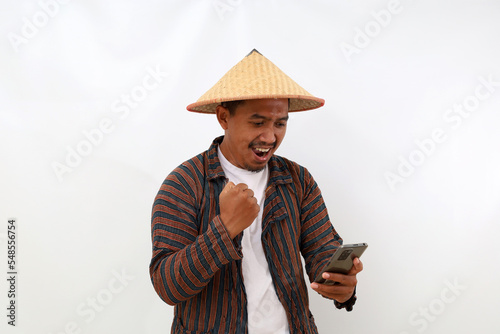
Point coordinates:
pixel 253 132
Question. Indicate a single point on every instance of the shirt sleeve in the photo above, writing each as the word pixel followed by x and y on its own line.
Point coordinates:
pixel 319 240
pixel 184 260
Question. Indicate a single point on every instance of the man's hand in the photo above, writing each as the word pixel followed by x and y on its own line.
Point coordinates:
pixel 344 288
pixel 238 207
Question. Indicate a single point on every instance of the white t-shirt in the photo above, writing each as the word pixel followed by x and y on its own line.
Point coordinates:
pixel 265 312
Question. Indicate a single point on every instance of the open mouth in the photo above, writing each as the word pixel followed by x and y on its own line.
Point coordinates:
pixel 261 153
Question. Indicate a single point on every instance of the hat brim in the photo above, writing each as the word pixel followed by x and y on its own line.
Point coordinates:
pixel 297 102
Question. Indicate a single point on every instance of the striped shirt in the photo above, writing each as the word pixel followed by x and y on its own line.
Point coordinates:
pixel 196 266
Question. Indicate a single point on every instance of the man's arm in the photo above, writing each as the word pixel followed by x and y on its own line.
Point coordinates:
pixel 184 261
pixel 319 240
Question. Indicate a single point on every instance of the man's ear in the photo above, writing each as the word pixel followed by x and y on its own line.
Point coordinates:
pixel 222 116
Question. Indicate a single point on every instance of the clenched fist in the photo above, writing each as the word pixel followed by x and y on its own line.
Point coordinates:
pixel 238 207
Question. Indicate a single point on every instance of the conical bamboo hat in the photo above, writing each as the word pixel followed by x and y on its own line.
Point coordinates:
pixel 255 77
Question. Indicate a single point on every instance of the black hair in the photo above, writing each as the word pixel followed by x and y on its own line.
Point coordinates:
pixel 232 105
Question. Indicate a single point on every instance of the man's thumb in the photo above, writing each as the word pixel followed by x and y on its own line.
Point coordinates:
pixel 228 186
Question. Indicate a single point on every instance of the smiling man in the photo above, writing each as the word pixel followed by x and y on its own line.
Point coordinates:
pixel 230 226
pixel 253 133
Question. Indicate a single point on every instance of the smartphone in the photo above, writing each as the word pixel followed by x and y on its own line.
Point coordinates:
pixel 341 261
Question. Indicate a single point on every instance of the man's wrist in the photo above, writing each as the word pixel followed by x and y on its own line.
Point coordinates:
pixel 348 304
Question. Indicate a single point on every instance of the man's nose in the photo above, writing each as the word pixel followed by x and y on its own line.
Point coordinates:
pixel 268 136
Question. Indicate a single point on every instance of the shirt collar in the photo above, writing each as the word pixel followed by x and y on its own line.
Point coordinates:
pixel 278 171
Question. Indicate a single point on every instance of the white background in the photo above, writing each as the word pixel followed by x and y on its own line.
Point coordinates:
pixel 63 74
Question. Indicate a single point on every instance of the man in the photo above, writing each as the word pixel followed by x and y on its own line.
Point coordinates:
pixel 230 225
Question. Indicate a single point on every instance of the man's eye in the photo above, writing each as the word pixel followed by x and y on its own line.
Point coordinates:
pixel 280 125
pixel 258 123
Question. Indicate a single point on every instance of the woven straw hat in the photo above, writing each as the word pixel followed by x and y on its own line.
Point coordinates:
pixel 255 77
